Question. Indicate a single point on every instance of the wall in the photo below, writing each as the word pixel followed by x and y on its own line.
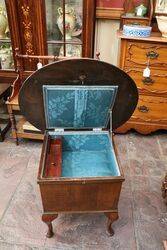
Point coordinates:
pixel 106 41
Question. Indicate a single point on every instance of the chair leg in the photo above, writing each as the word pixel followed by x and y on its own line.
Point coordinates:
pixel 1 136
pixel 13 123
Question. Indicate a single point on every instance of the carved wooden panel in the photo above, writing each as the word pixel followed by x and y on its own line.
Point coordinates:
pixel 27 21
pixel 141 127
pixel 156 84
pixel 138 54
pixel 27 27
pixel 151 109
pixel 151 112
pixel 30 27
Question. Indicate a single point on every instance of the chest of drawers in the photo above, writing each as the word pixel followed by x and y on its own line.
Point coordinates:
pixel 135 54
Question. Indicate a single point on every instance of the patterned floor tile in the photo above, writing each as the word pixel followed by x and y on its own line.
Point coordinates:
pixel 142 212
pixel 22 220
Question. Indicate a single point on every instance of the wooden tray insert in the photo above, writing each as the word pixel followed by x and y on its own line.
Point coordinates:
pixel 54 158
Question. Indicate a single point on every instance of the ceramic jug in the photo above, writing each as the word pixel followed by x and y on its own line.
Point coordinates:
pixel 3 23
pixel 70 21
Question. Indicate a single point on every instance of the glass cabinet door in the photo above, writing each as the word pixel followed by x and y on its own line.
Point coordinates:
pixel 6 56
pixel 64 21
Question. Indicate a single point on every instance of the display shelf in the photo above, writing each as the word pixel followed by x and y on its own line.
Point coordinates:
pixel 34 31
pixel 5 40
pixel 61 42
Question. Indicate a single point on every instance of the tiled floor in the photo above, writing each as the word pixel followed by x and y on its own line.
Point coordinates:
pixel 143 215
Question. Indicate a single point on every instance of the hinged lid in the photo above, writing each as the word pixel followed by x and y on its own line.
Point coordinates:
pixel 87 72
pixel 78 107
pixel 59 130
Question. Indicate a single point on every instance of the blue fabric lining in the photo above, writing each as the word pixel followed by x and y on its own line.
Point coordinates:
pixel 79 106
pixel 88 155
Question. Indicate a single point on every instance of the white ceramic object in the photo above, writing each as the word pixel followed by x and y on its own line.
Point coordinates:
pixel 162 25
pixel 70 20
pixel 137 30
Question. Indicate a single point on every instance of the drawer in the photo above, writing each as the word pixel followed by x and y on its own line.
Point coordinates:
pixel 138 54
pixel 155 84
pixel 151 109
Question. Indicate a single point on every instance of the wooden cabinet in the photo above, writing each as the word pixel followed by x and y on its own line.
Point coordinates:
pixel 151 112
pixel 43 27
pixel 138 54
pixel 39 28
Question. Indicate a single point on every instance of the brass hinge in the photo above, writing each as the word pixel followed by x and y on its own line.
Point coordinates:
pixel 97 129
pixel 59 130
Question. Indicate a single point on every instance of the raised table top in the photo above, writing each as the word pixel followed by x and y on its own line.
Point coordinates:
pixel 155 37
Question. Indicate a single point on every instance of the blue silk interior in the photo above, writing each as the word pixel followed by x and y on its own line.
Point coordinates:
pixel 78 106
pixel 88 154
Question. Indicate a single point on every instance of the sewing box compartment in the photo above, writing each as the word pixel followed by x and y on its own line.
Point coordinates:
pixel 79 171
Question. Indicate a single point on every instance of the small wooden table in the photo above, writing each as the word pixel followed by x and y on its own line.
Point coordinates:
pixel 4 93
pixel 17 127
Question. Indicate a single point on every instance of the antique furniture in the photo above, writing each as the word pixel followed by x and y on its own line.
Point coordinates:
pixel 35 30
pixel 18 129
pixel 138 20
pixel 12 102
pixel 40 28
pixel 137 56
pixel 4 93
pixel 79 103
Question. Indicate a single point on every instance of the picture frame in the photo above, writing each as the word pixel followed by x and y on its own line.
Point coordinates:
pixel 161 7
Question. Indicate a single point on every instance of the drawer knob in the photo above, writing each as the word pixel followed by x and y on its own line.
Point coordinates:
pixel 148 81
pixel 152 54
pixel 143 109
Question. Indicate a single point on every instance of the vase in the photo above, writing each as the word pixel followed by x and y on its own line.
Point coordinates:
pixel 5 58
pixel 3 23
pixel 162 25
pixel 70 21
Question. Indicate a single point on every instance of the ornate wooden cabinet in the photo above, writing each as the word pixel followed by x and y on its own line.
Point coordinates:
pixel 39 28
pixel 43 27
pixel 136 54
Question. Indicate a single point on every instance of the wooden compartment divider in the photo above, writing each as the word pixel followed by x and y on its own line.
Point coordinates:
pixel 54 158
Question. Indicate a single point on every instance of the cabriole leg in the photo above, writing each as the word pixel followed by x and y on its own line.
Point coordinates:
pixel 48 220
pixel 112 216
